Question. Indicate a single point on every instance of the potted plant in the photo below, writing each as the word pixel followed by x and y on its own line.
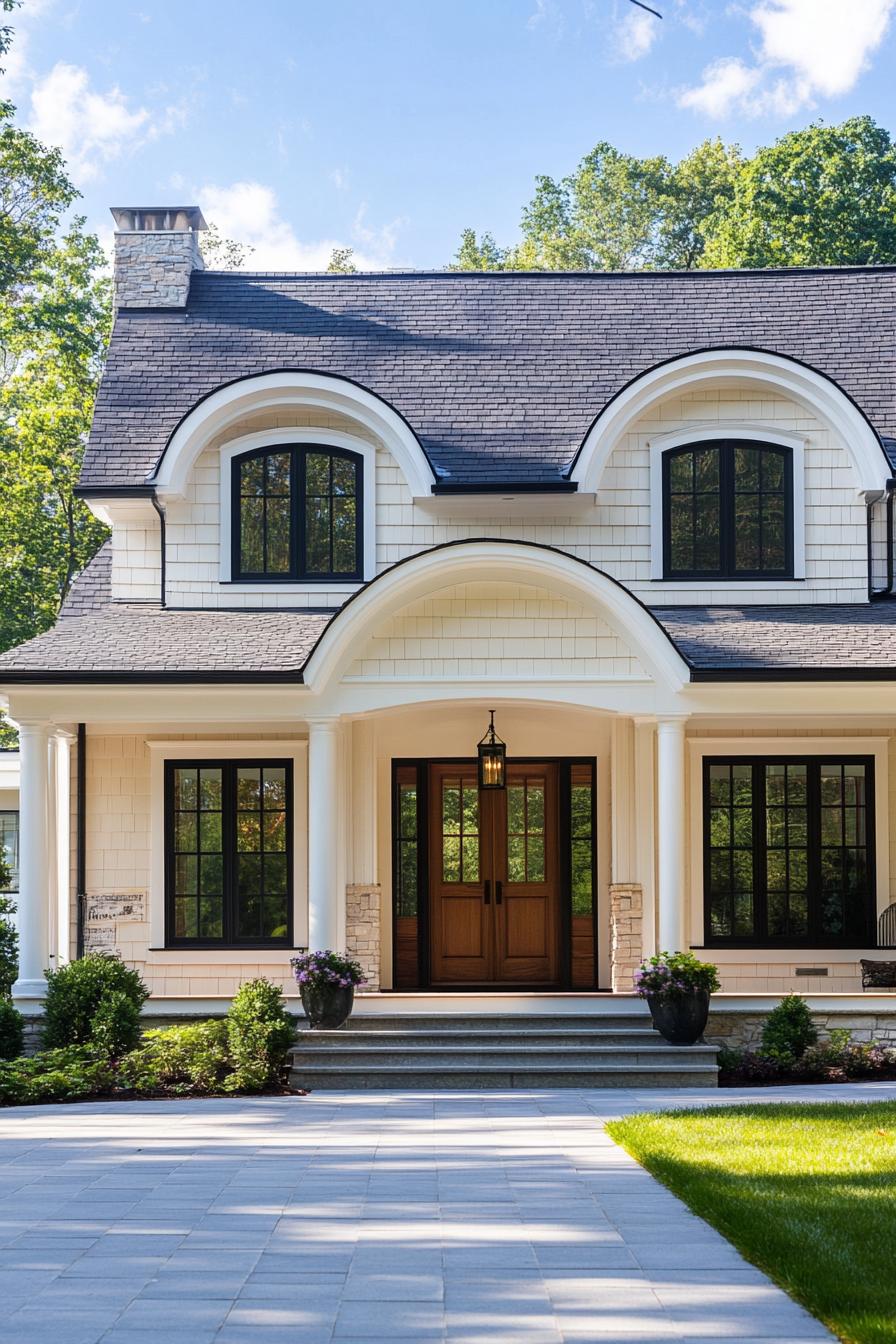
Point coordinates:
pixel 327 985
pixel 677 988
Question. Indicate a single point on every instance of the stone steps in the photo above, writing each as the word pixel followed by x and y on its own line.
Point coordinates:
pixel 496 1051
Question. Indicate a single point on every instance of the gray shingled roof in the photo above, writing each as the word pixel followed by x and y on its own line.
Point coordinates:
pixel 93 586
pixel 849 637
pixel 499 375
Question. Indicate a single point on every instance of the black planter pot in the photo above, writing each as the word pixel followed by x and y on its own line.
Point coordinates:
pixel 327 1007
pixel 680 1018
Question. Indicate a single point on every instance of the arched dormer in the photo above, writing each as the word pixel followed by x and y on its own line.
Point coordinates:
pixel 281 392
pixel 756 370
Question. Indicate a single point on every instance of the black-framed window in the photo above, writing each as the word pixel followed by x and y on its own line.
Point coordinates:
pixel 228 853
pixel 297 514
pixel 728 511
pixel 9 848
pixel 788 850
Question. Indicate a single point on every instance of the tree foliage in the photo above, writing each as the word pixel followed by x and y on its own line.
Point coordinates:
pixel 342 261
pixel 825 195
pixel 223 254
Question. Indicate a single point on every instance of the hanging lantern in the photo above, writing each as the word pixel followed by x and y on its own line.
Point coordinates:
pixel 492 759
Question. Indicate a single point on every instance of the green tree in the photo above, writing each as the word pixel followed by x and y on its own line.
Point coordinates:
pixel 342 261
pixel 824 196
pixel 223 254
pixel 821 196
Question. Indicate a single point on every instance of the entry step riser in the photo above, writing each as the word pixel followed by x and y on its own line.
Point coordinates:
pixel 500 1051
pixel 479 1079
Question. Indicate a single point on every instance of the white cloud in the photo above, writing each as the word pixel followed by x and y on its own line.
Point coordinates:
pixel 635 34
pixel 339 178
pixel 725 83
pixel 808 49
pixel 548 15
pixel 91 128
pixel 249 212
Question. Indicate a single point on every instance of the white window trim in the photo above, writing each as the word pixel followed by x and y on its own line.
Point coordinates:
pixel 180 750
pixel 703 433
pixel 271 438
pixel 699 747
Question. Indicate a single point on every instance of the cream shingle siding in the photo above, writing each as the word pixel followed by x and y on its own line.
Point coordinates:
pixel 614 536
pixel 474 630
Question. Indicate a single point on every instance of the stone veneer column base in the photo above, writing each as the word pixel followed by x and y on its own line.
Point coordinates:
pixel 626 945
pixel 362 929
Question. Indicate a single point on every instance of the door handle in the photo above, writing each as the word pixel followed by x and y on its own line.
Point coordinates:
pixel 488 892
pixel 499 890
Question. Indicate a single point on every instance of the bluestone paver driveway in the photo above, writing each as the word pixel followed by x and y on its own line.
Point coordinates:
pixel 500 1217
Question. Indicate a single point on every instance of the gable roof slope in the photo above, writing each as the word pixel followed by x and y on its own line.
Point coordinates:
pixel 499 375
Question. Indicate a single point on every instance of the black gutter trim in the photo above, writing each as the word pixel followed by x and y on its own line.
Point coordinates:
pixel 793 674
pixel 148 678
pixel 507 487
pixel 81 841
pixel 708 349
pixel 162 549
pixel 114 491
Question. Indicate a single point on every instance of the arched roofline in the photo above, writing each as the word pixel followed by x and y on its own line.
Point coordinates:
pixel 482 560
pixel 280 390
pixel 687 373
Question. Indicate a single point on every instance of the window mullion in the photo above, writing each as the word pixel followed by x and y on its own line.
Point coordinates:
pixel 760 853
pixel 228 845
pixel 813 839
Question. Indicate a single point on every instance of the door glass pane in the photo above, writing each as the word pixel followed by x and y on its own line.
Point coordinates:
pixel 460 830
pixel 407 875
pixel 730 875
pixel 582 828
pixel 525 831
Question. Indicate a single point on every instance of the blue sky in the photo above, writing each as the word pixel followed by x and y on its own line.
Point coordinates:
pixel 389 125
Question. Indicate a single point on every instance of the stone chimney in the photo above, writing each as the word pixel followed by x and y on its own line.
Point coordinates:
pixel 156 251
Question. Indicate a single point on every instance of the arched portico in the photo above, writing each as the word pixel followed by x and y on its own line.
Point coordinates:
pixel 743 367
pixel 486 560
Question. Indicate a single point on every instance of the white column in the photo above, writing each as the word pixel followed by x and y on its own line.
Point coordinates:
pixel 62 941
pixel 670 835
pixel 34 861
pixel 323 834
pixel 645 812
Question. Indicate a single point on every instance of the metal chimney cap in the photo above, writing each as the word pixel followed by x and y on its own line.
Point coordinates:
pixel 157 218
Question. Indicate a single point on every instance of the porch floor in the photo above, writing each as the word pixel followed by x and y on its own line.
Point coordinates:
pixel 486 1218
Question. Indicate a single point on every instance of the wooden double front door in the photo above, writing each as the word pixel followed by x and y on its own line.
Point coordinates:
pixel 494 876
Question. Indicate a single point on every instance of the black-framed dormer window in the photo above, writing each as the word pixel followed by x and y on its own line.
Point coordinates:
pixel 728 511
pixel 297 514
pixel 228 853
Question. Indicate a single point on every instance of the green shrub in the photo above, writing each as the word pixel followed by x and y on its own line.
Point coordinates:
pixel 259 1033
pixel 12 1030
pixel 69 1074
pixel 185 1058
pixel 75 992
pixel 115 1026
pixel 788 1031
pixel 9 943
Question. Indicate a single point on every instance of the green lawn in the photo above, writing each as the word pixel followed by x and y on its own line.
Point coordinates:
pixel 807 1193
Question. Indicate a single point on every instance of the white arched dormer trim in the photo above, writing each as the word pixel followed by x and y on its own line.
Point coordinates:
pixel 487 560
pixel 284 391
pixel 272 438
pixel 699 432
pixel 759 369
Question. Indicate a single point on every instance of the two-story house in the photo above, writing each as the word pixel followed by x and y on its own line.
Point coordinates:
pixel 644 518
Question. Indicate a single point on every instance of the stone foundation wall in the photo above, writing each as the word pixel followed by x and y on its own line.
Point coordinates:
pixel 626 942
pixel 744 1029
pixel 362 929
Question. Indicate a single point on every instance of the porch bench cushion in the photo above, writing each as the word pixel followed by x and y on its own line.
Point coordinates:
pixel 878 974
